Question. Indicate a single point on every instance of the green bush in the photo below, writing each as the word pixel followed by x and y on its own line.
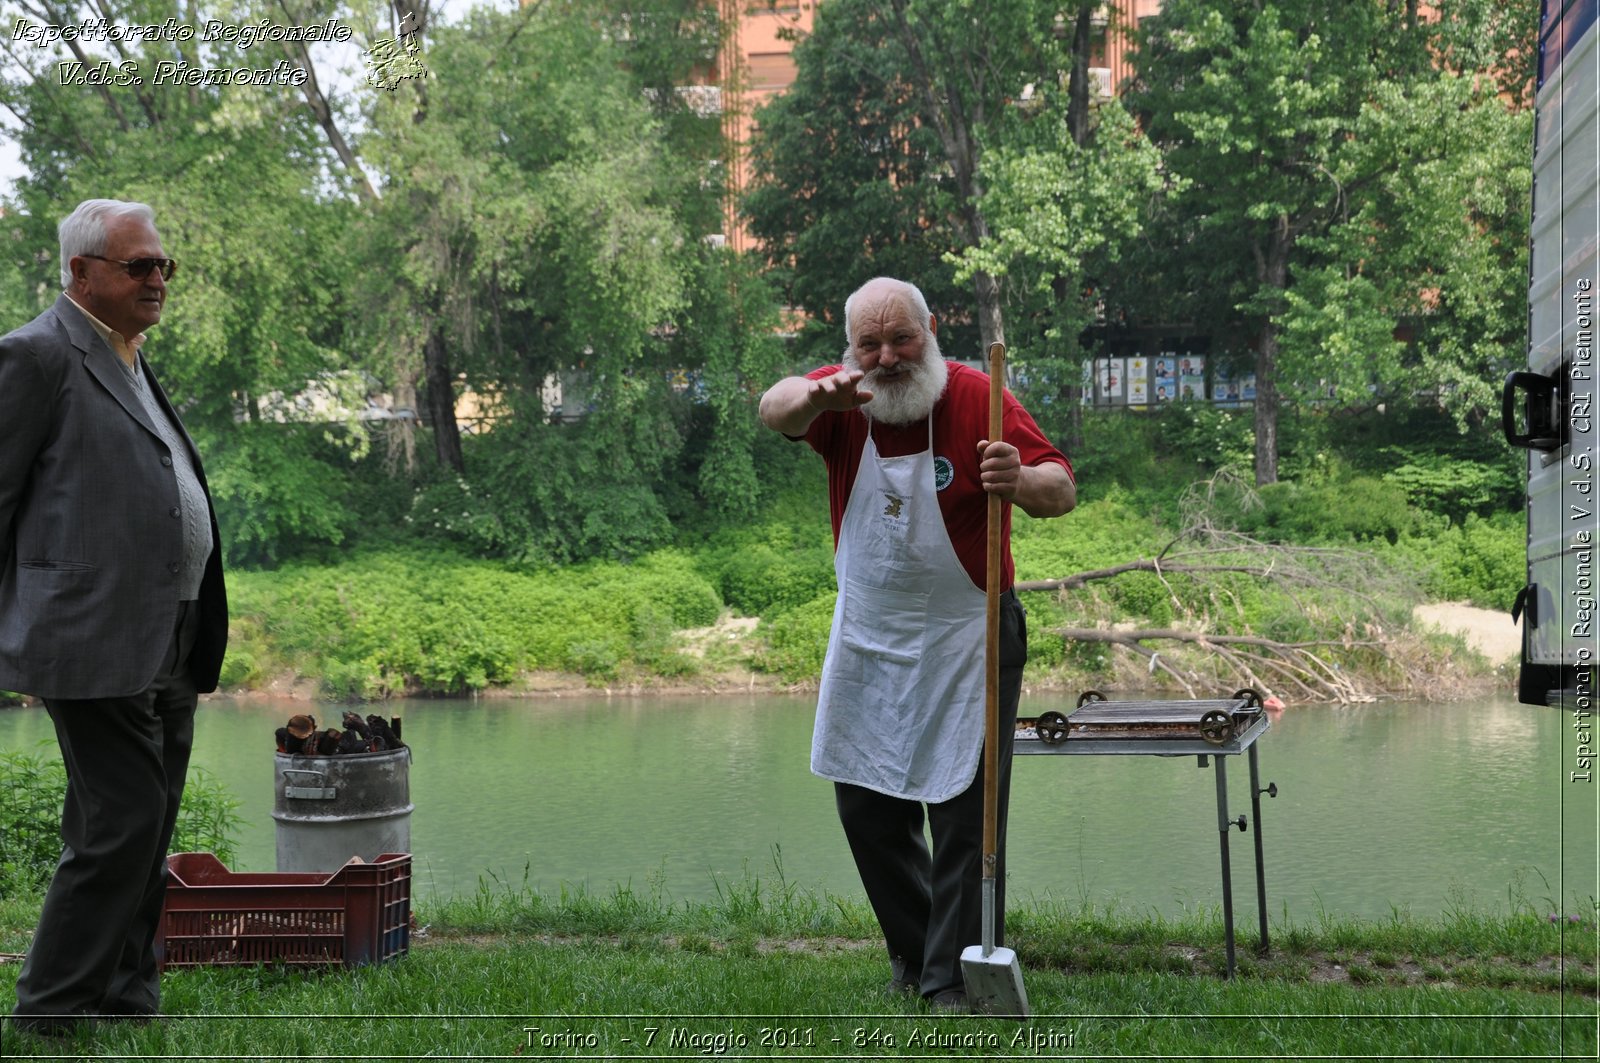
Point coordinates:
pixel 768 568
pixel 1136 459
pixel 1142 595
pixel 544 494
pixel 399 621
pixel 1100 533
pixel 1483 561
pixel 1046 649
pixel 1209 437
pixel 30 820
pixel 240 669
pixel 1452 487
pixel 1090 658
pixel 1361 509
pixel 797 640
pixel 276 492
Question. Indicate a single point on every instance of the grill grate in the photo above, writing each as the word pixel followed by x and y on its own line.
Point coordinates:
pixel 1214 720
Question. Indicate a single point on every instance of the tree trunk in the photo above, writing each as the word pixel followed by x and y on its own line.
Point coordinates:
pixel 944 108
pixel 1273 265
pixel 411 16
pixel 442 403
pixel 401 436
pixel 1266 410
pixel 1078 85
pixel 1070 391
pixel 1067 355
pixel 991 325
pixel 322 110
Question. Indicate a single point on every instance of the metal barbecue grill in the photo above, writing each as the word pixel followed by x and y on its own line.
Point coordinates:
pixel 1204 728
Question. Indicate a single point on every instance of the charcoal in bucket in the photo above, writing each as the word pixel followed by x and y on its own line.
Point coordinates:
pixel 328 809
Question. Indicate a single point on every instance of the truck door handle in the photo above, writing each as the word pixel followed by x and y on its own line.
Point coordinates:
pixel 1546 425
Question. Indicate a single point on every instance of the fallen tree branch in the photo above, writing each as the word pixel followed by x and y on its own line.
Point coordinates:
pixel 1250 656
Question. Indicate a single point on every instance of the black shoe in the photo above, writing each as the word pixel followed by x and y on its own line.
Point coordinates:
pixel 952 1001
pixel 901 981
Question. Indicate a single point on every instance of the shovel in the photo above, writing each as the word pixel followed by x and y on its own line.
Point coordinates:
pixel 992 975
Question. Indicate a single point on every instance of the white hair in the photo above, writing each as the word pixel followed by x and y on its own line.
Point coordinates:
pixel 83 232
pixel 908 291
pixel 911 398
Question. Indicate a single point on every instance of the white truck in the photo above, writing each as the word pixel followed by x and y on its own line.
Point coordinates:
pixel 1549 407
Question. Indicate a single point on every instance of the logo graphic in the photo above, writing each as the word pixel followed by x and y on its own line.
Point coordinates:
pixel 944 472
pixel 392 60
pixel 893 508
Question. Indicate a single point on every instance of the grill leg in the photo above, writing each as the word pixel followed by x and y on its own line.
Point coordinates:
pixel 1223 826
pixel 1261 872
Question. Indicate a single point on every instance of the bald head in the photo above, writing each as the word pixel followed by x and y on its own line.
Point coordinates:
pixel 885 293
pixel 893 342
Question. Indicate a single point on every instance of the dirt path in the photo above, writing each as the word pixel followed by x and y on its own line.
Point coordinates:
pixel 1489 631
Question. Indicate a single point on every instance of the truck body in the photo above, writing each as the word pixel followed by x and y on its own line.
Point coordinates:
pixel 1549 408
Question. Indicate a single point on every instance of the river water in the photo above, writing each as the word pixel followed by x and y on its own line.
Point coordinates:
pixel 1392 808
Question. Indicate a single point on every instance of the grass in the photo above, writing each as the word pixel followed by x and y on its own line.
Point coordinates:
pixel 767 969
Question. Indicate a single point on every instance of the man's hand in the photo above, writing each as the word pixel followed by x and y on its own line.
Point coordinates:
pixel 790 405
pixel 842 391
pixel 1043 490
pixel 1000 468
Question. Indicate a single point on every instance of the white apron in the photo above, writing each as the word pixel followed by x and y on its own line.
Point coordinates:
pixel 900 709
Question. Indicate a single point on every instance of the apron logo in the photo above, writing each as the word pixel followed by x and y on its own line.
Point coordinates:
pixel 944 472
pixel 893 508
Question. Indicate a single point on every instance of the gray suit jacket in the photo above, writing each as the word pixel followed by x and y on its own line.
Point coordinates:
pixel 89 550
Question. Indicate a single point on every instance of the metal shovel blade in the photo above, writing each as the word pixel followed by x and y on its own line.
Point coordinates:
pixel 994 982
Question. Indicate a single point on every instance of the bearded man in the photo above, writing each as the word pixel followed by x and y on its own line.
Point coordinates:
pixel 900 712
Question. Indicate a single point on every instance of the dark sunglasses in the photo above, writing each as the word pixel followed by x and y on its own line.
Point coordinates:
pixel 140 268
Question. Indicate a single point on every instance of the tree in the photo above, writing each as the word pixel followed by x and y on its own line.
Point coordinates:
pixel 1438 245
pixel 1066 195
pixel 876 152
pixel 530 208
pixel 1284 119
pixel 968 62
pixel 554 196
pixel 849 182
pixel 257 309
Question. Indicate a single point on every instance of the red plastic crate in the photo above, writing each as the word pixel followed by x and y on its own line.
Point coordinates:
pixel 358 914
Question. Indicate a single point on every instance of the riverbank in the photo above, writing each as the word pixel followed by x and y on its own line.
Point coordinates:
pixel 1490 634
pixel 750 609
pixel 406 623
pixel 770 972
pixel 723 656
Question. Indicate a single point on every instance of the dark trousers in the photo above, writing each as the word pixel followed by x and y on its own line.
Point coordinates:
pixel 930 904
pixel 126 759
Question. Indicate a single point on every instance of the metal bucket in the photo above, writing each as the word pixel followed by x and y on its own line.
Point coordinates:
pixel 329 809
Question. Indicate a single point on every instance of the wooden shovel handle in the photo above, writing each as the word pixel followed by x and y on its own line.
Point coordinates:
pixel 991 657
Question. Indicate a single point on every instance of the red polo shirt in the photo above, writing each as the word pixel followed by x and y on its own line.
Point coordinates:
pixel 960 420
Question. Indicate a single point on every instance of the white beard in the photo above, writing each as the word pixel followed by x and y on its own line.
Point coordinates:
pixel 910 397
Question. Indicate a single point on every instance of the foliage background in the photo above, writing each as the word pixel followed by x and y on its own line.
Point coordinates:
pixel 536 212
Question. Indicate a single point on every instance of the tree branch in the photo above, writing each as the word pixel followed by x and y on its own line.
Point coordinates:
pixel 146 103
pixel 317 100
pixel 1248 655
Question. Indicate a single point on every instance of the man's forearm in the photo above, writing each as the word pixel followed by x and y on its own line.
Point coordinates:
pixel 786 407
pixel 1045 490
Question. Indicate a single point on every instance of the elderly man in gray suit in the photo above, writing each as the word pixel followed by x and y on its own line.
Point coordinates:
pixel 112 607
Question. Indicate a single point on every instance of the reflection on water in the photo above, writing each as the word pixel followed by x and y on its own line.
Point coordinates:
pixel 1381 808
